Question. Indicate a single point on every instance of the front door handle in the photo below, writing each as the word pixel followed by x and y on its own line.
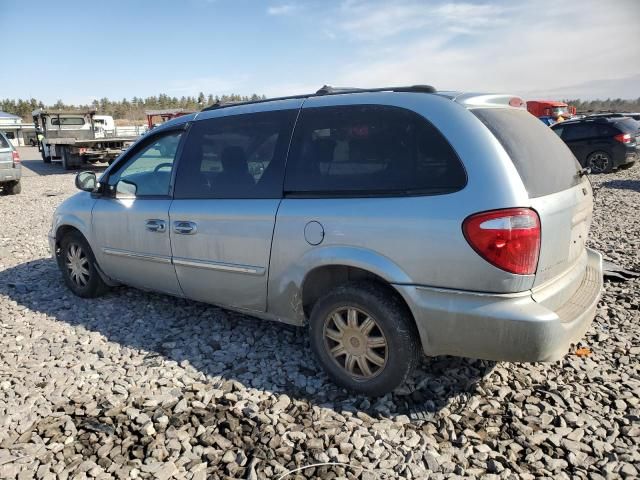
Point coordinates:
pixel 184 228
pixel 155 225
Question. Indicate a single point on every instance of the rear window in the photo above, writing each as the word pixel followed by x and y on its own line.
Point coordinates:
pixel 544 162
pixel 67 121
pixel 370 150
pixel 3 142
pixel 628 125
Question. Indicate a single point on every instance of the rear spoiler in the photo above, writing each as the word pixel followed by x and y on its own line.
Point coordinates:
pixel 476 100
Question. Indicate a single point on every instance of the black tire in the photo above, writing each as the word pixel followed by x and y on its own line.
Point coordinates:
pixel 66 158
pixel 599 162
pixel 13 188
pixel 393 323
pixel 92 286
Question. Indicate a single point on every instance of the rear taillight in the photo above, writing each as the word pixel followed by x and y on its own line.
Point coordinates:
pixel 508 239
pixel 16 158
pixel 623 138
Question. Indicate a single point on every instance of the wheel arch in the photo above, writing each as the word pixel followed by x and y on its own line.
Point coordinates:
pixel 66 228
pixel 295 291
pixel 67 225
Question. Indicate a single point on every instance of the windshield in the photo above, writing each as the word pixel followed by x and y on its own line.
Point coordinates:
pixel 560 111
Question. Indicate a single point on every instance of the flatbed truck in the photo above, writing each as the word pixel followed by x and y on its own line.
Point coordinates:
pixel 70 136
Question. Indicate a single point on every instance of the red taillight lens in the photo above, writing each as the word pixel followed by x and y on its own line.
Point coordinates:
pixel 623 138
pixel 508 239
pixel 16 157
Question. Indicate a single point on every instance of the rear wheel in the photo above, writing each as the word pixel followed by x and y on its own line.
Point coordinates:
pixel 364 338
pixel 66 158
pixel 79 267
pixel 600 162
pixel 13 188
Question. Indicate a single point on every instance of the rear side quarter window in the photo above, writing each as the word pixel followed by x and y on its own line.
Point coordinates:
pixel 370 150
pixel 543 160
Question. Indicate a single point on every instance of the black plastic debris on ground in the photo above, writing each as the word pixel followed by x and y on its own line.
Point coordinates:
pixel 616 273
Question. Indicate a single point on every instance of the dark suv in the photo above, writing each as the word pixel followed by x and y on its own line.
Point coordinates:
pixel 602 143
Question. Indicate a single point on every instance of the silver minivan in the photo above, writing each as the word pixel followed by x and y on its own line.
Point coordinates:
pixel 391 222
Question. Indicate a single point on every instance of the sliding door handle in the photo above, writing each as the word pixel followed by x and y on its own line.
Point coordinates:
pixel 184 228
pixel 154 225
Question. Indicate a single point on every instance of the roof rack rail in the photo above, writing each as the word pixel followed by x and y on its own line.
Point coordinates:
pixel 329 90
pixel 228 103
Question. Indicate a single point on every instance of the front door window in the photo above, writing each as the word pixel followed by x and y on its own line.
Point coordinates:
pixel 150 168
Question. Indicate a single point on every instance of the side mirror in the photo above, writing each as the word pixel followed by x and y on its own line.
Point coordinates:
pixel 126 189
pixel 86 181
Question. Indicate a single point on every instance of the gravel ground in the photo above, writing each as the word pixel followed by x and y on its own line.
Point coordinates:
pixel 138 385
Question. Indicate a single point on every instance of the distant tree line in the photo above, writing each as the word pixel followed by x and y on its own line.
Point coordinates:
pixel 608 105
pixel 133 109
pixel 125 109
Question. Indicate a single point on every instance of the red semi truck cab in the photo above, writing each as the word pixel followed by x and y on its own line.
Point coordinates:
pixel 550 108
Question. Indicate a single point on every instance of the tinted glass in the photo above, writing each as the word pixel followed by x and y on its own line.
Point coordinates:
pixel 240 156
pixel 578 131
pixel 628 125
pixel 149 168
pixel 3 142
pixel 604 130
pixel 67 121
pixel 367 150
pixel 558 130
pixel 544 162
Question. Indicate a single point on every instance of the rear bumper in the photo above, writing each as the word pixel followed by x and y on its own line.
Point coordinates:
pixel 626 155
pixel 507 327
pixel 630 157
pixel 10 174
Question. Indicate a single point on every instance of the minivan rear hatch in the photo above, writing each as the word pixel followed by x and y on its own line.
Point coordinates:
pixel 557 190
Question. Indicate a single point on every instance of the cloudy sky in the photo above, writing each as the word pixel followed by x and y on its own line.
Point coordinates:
pixel 556 48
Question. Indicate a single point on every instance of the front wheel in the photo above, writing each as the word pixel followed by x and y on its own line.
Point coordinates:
pixel 600 162
pixel 79 267
pixel 364 338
